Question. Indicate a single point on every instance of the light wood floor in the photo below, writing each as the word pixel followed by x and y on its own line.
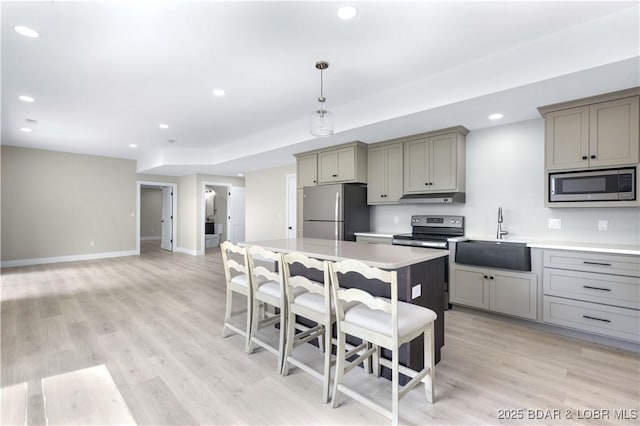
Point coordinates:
pixel 155 322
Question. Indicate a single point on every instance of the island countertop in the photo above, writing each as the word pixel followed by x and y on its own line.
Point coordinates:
pixel 377 255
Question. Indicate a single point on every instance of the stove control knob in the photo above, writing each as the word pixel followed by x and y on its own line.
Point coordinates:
pixel 453 221
pixel 458 221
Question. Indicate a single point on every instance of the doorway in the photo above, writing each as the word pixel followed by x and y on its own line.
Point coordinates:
pixel 157 214
pixel 222 215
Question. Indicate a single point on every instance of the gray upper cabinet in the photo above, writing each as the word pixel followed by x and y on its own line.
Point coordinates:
pixel 339 164
pixel 307 170
pixel 613 133
pixel 385 170
pixel 590 134
pixel 567 139
pixel 435 163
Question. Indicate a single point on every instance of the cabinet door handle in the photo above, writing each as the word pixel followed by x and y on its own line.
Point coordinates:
pixel 584 157
pixel 426 183
pixel 596 263
pixel 596 288
pixel 595 319
pixel 593 156
pixel 485 277
pixel 490 278
pixel 314 181
pixel 334 175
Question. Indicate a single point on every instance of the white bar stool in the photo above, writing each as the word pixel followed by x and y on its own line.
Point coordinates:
pixel 386 323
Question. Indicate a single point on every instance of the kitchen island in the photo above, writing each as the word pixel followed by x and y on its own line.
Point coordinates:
pixel 421 277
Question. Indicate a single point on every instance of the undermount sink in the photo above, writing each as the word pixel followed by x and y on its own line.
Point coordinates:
pixel 494 254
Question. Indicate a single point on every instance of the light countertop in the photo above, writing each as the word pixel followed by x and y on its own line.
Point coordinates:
pixel 563 245
pixel 378 255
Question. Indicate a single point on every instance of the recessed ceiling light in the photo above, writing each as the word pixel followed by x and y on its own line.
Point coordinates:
pixel 219 92
pixel 133 145
pixel 163 126
pixel 496 116
pixel 27 32
pixel 25 98
pixel 347 12
pixel 240 174
pixel 25 129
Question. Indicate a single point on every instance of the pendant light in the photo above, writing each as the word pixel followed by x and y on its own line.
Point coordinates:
pixel 321 123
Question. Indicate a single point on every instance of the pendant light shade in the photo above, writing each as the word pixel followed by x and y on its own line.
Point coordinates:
pixel 321 123
pixel 321 120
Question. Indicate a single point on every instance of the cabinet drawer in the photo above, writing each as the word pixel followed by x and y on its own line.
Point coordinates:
pixel 608 321
pixel 598 288
pixel 593 262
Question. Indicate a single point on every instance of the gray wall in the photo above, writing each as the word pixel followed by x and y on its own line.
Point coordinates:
pixel 505 167
pixel 266 203
pixel 150 213
pixel 61 204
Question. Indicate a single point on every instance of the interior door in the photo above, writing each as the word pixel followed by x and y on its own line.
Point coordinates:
pixel 236 214
pixel 167 218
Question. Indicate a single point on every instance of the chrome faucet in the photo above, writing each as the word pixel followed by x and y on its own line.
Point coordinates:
pixel 500 232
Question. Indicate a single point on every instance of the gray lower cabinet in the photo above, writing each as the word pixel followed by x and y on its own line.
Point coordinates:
pixel 593 292
pixel 496 290
pixel 610 321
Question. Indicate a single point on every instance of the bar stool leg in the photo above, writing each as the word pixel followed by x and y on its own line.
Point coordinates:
pixel 429 358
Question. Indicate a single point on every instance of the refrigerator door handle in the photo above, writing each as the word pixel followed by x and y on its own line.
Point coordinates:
pixel 336 214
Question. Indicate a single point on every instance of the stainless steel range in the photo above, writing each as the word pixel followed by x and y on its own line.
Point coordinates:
pixel 431 231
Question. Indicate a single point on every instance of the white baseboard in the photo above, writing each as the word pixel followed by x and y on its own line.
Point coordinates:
pixel 150 238
pixel 186 250
pixel 73 258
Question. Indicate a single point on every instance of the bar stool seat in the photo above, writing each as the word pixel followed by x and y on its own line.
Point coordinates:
pixel 243 280
pixel 411 318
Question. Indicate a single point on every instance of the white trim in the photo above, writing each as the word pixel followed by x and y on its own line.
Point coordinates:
pixel 187 251
pixel 150 238
pixel 72 258
pixel 174 188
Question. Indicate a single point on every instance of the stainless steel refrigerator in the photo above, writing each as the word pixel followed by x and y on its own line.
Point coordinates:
pixel 335 212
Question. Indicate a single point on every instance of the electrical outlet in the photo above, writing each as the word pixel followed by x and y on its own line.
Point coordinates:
pixel 603 225
pixel 416 291
pixel 555 224
pixel 395 219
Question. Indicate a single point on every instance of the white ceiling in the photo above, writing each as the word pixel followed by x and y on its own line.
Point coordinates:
pixel 105 74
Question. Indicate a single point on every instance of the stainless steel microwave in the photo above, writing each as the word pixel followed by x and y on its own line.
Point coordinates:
pixel 593 185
